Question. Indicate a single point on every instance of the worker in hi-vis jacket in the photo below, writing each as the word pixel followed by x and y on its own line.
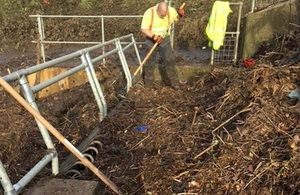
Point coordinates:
pixel 155 27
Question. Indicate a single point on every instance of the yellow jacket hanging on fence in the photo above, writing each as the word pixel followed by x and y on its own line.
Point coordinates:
pixel 216 27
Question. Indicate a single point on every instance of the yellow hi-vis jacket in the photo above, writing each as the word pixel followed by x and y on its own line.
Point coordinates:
pixel 155 24
pixel 216 27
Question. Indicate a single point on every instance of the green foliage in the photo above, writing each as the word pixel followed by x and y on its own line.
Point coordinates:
pixel 12 8
pixel 87 4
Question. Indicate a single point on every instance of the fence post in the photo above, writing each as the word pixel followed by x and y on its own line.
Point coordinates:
pixel 238 33
pixel 42 37
pixel 103 38
pixel 253 6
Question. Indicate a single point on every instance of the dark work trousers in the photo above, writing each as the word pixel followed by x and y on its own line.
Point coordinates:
pixel 166 67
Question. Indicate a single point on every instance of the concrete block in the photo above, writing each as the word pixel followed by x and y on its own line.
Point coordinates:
pixel 260 26
pixel 64 187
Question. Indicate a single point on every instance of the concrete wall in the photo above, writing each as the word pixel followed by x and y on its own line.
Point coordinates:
pixel 260 26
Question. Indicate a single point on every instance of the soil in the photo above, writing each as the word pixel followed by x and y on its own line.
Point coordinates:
pixel 233 130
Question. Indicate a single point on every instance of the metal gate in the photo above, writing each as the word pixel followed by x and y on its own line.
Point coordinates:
pixel 228 53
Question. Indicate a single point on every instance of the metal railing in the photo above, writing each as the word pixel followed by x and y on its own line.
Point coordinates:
pixel 41 30
pixel 42 38
pixel 87 64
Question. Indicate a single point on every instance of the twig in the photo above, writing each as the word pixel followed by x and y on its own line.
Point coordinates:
pixel 139 142
pixel 226 97
pixel 258 175
pixel 194 118
pixel 195 115
pixel 273 124
pixel 296 25
pixel 228 134
pixel 221 139
pixel 181 174
pixel 228 120
pixel 207 149
pixel 175 112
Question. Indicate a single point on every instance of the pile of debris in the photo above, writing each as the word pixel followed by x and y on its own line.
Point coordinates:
pixel 284 50
pixel 234 130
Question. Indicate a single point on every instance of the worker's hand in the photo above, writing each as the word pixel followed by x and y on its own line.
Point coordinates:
pixel 157 38
pixel 180 12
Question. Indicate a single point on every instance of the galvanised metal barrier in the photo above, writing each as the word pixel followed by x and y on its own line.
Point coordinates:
pixel 87 64
pixel 42 38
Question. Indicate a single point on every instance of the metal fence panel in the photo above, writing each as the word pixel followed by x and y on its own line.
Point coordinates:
pixel 229 51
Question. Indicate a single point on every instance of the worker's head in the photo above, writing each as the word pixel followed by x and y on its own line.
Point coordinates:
pixel 162 9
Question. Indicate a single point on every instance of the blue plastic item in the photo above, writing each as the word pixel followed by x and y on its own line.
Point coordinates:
pixel 294 94
pixel 141 128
